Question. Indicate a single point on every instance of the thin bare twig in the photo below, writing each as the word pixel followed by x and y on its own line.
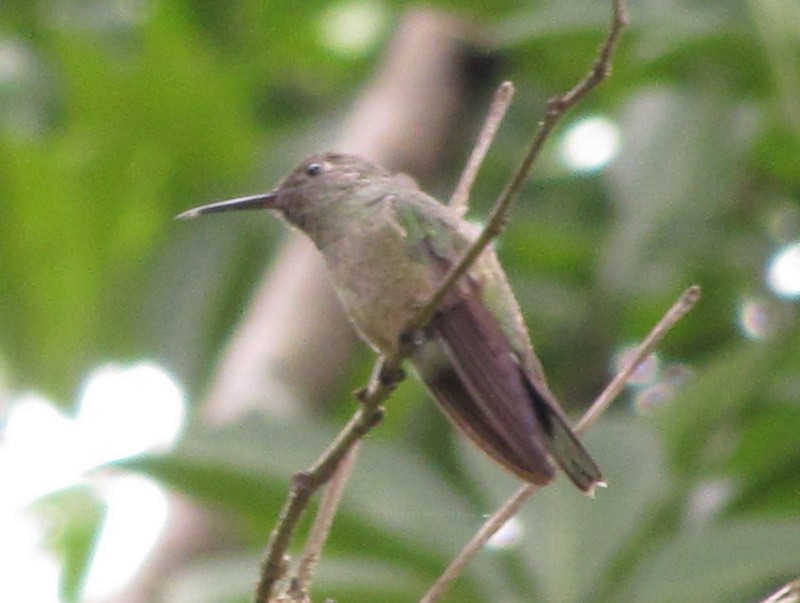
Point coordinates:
pixel 387 371
pixel 556 108
pixel 678 310
pixel 459 201
pixel 323 521
pixel 509 508
pixel 386 375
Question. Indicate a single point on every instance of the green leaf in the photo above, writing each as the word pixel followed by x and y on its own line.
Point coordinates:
pixel 735 379
pixel 715 563
pixel 228 578
pixel 243 468
pixel 395 504
pixel 672 185
pixel 569 540
pixel 75 518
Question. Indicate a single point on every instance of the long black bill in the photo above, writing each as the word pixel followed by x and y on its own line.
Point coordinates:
pixel 262 201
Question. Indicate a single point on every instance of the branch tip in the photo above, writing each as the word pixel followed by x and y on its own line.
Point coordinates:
pixel 494 117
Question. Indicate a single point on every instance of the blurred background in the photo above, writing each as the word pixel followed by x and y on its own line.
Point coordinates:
pixel 160 381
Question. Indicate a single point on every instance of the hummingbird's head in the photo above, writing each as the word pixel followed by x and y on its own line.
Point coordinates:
pixel 318 189
pixel 323 185
pixel 322 174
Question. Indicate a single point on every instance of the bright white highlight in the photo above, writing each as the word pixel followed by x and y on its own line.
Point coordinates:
pixel 137 511
pixel 33 426
pixel 352 28
pixel 507 536
pixel 756 318
pixel 783 272
pixel 121 412
pixel 15 62
pixel 707 500
pixel 30 574
pixel 590 144
pixel 124 412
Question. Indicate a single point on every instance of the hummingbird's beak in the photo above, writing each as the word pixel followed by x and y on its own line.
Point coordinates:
pixel 262 201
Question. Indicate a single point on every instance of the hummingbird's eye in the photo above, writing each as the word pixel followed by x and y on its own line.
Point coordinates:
pixel 313 169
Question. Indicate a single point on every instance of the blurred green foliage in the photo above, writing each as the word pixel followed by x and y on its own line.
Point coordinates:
pixel 114 116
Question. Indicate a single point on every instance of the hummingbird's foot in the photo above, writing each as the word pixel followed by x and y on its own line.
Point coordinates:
pixel 360 393
pixel 372 420
pixel 390 377
pixel 302 481
pixel 385 374
pixel 410 340
pixel 387 378
pixel 375 414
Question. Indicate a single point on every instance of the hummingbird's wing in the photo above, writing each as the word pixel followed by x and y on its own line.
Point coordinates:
pixel 562 442
pixel 468 367
pixel 481 369
pixel 485 390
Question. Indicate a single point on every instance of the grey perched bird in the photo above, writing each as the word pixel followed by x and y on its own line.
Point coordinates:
pixel 387 246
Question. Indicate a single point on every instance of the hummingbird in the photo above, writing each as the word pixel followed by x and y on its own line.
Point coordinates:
pixel 387 245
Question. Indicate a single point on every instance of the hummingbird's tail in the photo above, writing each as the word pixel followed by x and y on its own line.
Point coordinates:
pixel 564 445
